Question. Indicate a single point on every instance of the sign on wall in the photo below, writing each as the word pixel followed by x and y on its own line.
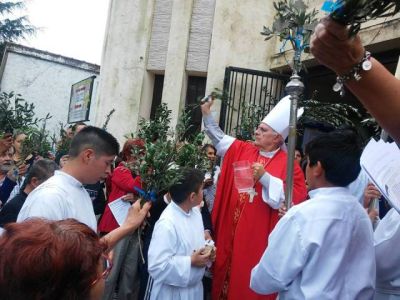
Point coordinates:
pixel 79 104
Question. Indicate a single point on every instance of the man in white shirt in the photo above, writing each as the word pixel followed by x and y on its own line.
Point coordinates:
pixel 323 247
pixel 63 196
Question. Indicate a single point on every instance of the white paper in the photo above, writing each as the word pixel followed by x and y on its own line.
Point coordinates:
pixel 381 162
pixel 119 209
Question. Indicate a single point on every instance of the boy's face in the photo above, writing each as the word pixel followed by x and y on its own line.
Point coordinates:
pixel 99 167
pixel 309 176
pixel 198 196
pixel 313 175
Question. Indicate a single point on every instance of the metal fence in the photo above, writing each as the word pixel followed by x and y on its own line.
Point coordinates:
pixel 248 87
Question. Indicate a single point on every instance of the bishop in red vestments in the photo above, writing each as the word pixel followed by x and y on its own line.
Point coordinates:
pixel 242 227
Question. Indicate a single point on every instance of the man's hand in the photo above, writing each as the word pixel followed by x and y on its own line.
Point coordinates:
pixel 370 193
pixel 136 216
pixel 373 215
pixel 207 235
pixel 213 254
pixel 128 197
pixel 22 169
pixel 282 210
pixel 206 106
pixel 332 47
pixel 198 259
pixel 208 182
pixel 258 171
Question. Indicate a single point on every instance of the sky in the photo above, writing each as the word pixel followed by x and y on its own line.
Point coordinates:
pixel 73 28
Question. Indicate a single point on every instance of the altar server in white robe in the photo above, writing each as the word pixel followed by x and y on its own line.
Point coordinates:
pixel 322 248
pixel 177 255
pixel 387 241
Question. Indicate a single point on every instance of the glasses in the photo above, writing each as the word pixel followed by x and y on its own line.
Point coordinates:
pixel 107 266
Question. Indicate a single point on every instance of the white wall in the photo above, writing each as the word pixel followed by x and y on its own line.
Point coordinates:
pixel 236 39
pixel 125 84
pixel 46 84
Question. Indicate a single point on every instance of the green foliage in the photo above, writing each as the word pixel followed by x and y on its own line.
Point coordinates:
pixel 333 114
pixel 16 113
pixel 157 167
pixel 356 12
pixel 372 126
pixel 36 142
pixel 156 129
pixel 189 153
pixel 13 29
pixel 291 16
pixel 62 142
pixel 250 117
pixel 166 150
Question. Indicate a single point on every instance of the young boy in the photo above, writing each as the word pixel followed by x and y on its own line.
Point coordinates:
pixel 177 257
pixel 323 247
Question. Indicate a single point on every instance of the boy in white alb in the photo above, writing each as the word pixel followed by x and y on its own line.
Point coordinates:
pixel 322 248
pixel 177 257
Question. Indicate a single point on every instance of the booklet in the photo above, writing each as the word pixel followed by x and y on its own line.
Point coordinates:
pixel 381 162
pixel 119 209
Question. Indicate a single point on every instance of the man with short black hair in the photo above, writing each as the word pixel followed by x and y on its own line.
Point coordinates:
pixel 63 196
pixel 323 247
pixel 39 172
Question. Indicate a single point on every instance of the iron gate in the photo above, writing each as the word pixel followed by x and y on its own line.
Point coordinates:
pixel 252 87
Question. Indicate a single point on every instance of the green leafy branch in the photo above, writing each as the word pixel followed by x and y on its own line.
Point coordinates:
pixel 292 16
pixel 167 151
pixel 16 113
pixel 356 12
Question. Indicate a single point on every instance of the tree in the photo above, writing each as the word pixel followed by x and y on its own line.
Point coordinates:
pixel 12 29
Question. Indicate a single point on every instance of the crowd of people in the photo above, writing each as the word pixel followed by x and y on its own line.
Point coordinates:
pixel 202 238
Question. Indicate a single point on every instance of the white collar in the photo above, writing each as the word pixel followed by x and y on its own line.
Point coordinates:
pixel 71 179
pixel 329 191
pixel 177 207
pixel 269 154
pixel 166 199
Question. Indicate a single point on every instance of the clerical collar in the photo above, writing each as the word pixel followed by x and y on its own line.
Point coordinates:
pixel 268 154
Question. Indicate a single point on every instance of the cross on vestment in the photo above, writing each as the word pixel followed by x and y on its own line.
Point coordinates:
pixel 252 193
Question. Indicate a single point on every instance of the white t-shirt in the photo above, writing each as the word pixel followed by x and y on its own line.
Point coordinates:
pixel 58 198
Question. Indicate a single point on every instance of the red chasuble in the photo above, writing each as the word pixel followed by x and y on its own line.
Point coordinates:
pixel 242 228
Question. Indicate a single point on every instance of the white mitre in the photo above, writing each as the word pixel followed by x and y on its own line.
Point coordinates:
pixel 278 117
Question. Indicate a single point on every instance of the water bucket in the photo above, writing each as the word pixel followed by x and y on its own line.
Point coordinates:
pixel 243 176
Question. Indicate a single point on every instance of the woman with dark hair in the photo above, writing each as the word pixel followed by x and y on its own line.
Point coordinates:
pixel 47 260
pixel 126 253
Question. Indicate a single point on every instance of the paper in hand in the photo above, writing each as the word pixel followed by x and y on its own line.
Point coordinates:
pixel 381 162
pixel 119 209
